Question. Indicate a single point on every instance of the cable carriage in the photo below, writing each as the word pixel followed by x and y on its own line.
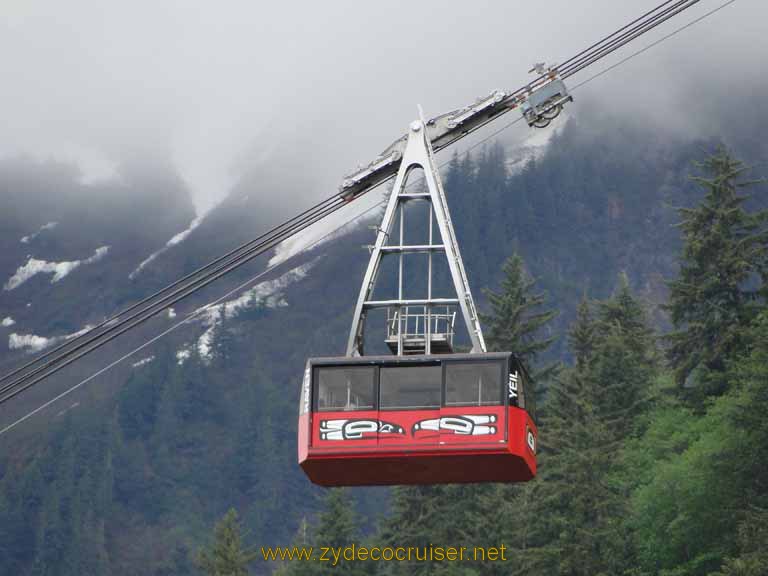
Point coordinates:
pixel 424 415
pixel 543 103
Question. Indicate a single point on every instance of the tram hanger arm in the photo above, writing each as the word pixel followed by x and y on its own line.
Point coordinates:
pixel 443 130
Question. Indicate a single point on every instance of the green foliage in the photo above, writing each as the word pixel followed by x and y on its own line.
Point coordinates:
pixel 517 319
pixel 699 489
pixel 226 556
pixel 633 481
pixel 574 502
pixel 678 515
pixel 722 266
pixel 337 527
pixel 624 362
pixel 753 554
pixel 475 515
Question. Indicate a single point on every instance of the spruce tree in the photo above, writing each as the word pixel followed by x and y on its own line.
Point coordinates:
pixel 517 317
pixel 625 361
pixel 227 556
pixel 581 338
pixel 592 406
pixel 753 557
pixel 476 515
pixel 460 174
pixel 415 520
pixel 336 528
pixel 337 525
pixel 571 502
pixel 722 275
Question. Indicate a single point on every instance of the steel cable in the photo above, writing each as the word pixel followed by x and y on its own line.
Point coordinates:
pixel 150 306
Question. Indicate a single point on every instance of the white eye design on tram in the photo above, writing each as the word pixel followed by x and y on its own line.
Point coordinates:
pixel 356 429
pixel 465 425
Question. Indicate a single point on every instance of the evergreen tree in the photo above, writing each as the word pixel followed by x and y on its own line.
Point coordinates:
pixel 460 173
pixel 581 337
pixel 517 318
pixel 577 503
pixel 227 556
pixel 420 516
pixel 700 494
pixel 624 363
pixel 569 527
pixel 475 515
pixel 753 557
pixel 722 275
pixel 337 528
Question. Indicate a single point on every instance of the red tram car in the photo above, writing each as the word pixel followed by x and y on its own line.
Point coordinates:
pixel 381 420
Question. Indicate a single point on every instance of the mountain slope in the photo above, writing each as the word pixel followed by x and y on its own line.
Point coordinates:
pixel 128 474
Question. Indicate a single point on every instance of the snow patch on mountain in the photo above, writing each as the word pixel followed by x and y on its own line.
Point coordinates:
pixel 7 322
pixel 535 146
pixel 205 342
pixel 181 236
pixel 268 294
pixel 320 233
pixel 48 226
pixel 31 341
pixel 59 270
pixel 182 356
pixel 176 239
pixel 36 343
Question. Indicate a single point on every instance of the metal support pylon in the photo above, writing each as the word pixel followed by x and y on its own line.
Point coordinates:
pixel 417 154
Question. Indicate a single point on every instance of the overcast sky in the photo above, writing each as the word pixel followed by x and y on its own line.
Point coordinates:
pixel 318 87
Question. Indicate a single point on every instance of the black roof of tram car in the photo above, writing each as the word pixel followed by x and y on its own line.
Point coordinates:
pixel 412 359
pixel 416 360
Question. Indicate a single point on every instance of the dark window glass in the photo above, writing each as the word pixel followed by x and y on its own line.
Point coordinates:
pixel 410 387
pixel 473 384
pixel 345 388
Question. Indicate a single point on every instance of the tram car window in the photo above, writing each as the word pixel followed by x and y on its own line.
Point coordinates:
pixel 345 388
pixel 404 388
pixel 473 384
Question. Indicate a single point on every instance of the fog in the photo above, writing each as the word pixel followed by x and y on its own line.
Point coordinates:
pixel 314 88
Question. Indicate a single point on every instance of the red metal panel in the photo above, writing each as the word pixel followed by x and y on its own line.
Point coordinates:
pixel 349 459
pixel 447 467
pixel 473 425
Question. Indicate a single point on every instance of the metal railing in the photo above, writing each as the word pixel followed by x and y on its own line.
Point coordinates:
pixel 414 323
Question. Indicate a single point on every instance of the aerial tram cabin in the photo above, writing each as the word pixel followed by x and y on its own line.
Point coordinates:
pixel 425 415
pixel 416 419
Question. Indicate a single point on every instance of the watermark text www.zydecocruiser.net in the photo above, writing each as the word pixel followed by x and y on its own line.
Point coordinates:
pixel 334 555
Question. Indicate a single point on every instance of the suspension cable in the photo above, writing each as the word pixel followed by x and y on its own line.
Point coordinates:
pixel 148 300
pixel 628 37
pixel 174 327
pixel 618 39
pixel 38 369
pixel 87 345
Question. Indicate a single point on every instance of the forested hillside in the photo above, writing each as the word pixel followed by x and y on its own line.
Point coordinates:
pixel 654 446
pixel 653 442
